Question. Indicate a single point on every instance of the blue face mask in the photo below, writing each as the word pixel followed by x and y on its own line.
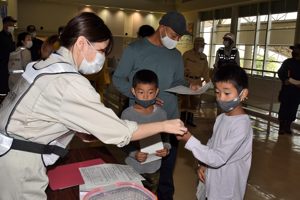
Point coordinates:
pixel 228 106
pixel 145 103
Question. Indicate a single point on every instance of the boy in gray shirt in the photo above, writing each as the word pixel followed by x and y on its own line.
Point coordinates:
pixel 226 158
pixel 145 89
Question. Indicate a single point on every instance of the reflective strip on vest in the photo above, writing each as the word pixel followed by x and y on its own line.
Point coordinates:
pixel 16 95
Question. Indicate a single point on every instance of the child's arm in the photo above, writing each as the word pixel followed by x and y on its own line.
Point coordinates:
pixel 184 137
pixel 240 133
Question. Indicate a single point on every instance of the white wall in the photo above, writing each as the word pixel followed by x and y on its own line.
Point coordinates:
pixel 124 24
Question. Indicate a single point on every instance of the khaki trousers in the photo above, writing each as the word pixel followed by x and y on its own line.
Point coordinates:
pixel 23 176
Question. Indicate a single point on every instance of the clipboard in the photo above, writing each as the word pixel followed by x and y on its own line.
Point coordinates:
pixel 68 175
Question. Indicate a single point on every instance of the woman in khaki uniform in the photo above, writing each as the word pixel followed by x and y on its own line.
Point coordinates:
pixel 196 71
pixel 57 99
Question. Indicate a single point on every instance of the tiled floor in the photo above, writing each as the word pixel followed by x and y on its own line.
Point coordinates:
pixel 275 171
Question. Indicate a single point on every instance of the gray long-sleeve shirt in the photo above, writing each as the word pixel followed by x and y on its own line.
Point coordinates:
pixel 131 114
pixel 167 64
pixel 228 156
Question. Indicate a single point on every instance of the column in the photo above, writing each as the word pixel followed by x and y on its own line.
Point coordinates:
pixel 234 20
pixel 297 32
pixel 12 8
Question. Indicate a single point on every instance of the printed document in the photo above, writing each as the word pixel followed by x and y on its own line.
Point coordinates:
pixel 106 174
pixel 188 91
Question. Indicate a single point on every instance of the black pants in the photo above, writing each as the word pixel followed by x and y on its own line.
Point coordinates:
pixel 289 98
pixel 166 189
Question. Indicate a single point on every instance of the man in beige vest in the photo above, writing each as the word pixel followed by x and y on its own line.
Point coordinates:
pixel 196 71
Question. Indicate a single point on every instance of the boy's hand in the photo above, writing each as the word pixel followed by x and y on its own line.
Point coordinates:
pixel 185 137
pixel 201 173
pixel 162 153
pixel 141 156
pixel 159 102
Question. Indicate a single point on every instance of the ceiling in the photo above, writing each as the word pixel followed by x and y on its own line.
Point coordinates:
pixel 154 5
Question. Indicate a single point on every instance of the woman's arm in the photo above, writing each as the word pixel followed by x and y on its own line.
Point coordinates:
pixel 174 126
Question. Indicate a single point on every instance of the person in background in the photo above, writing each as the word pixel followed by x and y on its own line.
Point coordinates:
pixel 60 30
pixel 145 31
pixel 52 101
pixel 225 160
pixel 227 54
pixel 50 45
pixel 36 43
pixel 158 53
pixel 7 46
pixel 289 96
pixel 24 43
pixel 145 89
pixel 196 71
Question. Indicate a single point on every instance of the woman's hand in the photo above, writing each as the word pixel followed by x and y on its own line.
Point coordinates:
pixel 174 126
pixel 141 156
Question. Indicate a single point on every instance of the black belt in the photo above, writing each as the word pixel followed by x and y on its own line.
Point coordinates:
pixel 33 147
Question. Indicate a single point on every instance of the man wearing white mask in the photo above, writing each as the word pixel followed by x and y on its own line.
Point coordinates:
pixel 227 54
pixel 7 45
pixel 196 71
pixel 158 53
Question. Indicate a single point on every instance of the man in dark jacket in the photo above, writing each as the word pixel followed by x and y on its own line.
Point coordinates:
pixel 289 96
pixel 6 47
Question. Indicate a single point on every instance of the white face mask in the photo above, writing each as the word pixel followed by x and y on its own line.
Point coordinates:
pixel 94 66
pixel 200 50
pixel 10 29
pixel 28 44
pixel 168 42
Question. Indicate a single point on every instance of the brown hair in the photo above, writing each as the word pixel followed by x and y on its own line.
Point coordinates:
pixel 88 25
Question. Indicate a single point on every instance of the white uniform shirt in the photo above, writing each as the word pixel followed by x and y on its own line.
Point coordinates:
pixel 228 155
pixel 58 103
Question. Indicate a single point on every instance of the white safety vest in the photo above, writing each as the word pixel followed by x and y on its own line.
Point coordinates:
pixel 52 151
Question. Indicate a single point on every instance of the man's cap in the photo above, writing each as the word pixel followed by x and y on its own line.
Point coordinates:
pixel 229 36
pixel 30 28
pixel 200 40
pixel 296 46
pixel 8 19
pixel 175 21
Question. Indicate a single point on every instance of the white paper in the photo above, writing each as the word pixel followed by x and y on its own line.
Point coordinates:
pixel 188 91
pixel 151 145
pixel 107 174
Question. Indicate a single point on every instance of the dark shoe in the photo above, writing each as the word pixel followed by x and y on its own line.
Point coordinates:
pixel 287 127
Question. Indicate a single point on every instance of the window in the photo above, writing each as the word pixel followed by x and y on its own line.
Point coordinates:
pixel 259 39
pixel 213 31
